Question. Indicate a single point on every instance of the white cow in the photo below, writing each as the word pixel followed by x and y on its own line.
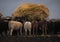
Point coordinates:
pixel 27 26
pixel 15 25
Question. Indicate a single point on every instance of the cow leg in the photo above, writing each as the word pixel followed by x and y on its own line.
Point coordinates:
pixel 8 32
pixel 42 30
pixel 11 31
pixel 17 32
pixel 21 31
pixel 29 31
pixel 33 31
pixel 36 31
pixel 25 31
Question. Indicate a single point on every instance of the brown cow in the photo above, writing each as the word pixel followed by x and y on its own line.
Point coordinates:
pixel 42 26
pixel 34 26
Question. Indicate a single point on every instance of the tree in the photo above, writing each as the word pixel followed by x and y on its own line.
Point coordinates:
pixel 1 14
pixel 32 11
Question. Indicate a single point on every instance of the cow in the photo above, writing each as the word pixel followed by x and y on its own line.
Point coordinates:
pixel 27 26
pixel 3 27
pixel 57 27
pixel 42 26
pixel 15 25
pixel 51 27
pixel 34 26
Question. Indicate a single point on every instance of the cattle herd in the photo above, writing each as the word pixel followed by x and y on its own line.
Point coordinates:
pixel 13 27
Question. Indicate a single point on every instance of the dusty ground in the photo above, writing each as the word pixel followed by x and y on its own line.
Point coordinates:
pixel 30 39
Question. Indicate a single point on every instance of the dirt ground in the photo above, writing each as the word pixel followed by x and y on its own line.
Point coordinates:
pixel 30 39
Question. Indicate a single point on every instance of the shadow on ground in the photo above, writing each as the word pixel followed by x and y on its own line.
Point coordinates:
pixel 29 39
